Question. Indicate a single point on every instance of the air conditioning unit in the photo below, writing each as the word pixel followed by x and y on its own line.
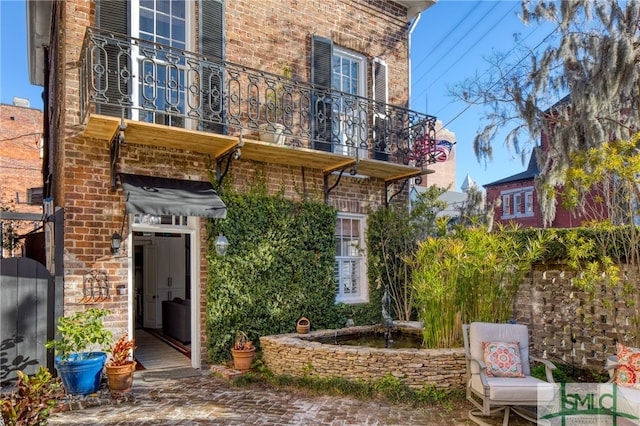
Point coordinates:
pixel 34 196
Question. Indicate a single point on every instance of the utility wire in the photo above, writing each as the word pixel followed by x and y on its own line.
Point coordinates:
pixel 445 37
pixel 510 69
pixel 443 73
pixel 462 37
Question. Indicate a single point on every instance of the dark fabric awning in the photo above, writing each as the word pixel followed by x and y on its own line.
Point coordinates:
pixel 177 197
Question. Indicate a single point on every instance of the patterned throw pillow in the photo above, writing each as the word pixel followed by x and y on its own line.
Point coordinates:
pixel 628 371
pixel 502 359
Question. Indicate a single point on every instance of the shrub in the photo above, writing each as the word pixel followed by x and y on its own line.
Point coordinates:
pixel 33 402
pixel 278 268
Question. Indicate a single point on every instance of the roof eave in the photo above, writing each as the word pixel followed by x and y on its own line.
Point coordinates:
pixel 415 7
pixel 38 36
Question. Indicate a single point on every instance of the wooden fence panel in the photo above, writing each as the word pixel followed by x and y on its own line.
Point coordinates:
pixel 26 292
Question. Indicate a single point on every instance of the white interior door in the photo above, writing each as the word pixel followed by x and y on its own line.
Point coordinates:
pixel 150 318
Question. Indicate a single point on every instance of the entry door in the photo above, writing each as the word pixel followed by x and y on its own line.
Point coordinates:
pixel 150 310
pixel 164 276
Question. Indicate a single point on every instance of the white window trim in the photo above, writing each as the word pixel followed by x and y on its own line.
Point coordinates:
pixel 362 88
pixel 510 194
pixel 363 284
pixel 134 9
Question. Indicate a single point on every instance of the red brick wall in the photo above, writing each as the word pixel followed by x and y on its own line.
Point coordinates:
pixel 20 161
pixel 563 219
pixel 267 35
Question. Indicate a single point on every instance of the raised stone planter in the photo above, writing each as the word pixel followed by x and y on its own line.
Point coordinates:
pixel 295 355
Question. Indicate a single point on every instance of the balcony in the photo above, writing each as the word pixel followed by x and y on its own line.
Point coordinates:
pixel 153 94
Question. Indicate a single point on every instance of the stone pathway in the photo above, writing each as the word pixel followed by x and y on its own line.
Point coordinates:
pixel 211 400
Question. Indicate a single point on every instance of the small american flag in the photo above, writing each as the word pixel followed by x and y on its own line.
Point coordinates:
pixel 442 150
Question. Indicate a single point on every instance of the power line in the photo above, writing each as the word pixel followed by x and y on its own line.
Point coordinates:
pixel 448 52
pixel 510 69
pixel 442 74
pixel 440 42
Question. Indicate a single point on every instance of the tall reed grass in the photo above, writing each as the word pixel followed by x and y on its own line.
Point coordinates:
pixel 468 275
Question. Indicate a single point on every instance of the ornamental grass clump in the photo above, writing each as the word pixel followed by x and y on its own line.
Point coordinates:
pixel 469 275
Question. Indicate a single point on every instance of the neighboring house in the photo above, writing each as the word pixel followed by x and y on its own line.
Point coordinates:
pixel 514 200
pixel 20 171
pixel 144 98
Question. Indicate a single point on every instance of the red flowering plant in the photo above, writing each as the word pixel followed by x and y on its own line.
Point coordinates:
pixel 121 351
pixel 243 343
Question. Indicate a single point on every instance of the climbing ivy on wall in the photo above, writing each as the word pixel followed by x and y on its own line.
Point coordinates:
pixel 278 268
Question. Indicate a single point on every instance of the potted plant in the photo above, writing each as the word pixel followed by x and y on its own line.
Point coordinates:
pixel 243 352
pixel 121 365
pixel 79 368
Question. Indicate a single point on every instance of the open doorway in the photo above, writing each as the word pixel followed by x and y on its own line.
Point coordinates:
pixel 162 286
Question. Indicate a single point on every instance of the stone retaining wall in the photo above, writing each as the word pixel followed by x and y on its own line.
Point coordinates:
pixel 295 355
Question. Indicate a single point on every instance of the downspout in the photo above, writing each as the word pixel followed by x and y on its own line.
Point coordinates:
pixel 412 26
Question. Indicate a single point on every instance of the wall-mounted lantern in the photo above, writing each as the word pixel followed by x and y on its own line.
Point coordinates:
pixel 221 244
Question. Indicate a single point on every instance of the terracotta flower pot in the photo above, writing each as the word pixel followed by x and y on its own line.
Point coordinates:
pixel 120 376
pixel 242 359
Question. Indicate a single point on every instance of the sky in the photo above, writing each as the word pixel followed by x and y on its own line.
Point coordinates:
pixel 449 43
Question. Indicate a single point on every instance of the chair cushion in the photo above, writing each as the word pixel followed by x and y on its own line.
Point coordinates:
pixel 502 359
pixel 519 391
pixel 493 332
pixel 628 371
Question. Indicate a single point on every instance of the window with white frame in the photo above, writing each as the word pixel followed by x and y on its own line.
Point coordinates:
pixel 162 77
pixel 506 204
pixel 528 202
pixel 348 77
pixel 350 268
pixel 512 203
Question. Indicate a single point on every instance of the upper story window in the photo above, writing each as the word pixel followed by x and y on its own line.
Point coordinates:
pixel 350 267
pixel 528 202
pixel 341 123
pixel 517 203
pixel 161 85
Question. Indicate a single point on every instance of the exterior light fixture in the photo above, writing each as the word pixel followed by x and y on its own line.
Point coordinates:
pixel 221 244
pixel 116 240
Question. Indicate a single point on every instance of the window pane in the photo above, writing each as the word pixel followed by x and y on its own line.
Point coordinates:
pixel 146 20
pixel 178 9
pixel 178 30
pixel 164 6
pixel 163 27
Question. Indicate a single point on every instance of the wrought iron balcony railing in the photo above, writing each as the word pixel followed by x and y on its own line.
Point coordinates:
pixel 141 80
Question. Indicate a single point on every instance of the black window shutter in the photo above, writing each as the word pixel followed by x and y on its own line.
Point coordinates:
pixel 212 47
pixel 380 122
pixel 321 72
pixel 113 16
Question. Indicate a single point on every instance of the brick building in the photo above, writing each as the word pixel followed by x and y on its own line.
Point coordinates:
pixel 159 94
pixel 518 201
pixel 20 168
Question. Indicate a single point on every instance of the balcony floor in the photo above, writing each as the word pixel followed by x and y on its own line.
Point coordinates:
pixel 136 132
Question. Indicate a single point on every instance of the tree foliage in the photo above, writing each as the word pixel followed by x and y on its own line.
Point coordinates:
pixel 580 91
pixel 392 236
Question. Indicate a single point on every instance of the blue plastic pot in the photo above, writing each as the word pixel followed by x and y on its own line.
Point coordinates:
pixel 81 376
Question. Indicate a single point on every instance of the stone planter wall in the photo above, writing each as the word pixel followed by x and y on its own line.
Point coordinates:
pixel 295 355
